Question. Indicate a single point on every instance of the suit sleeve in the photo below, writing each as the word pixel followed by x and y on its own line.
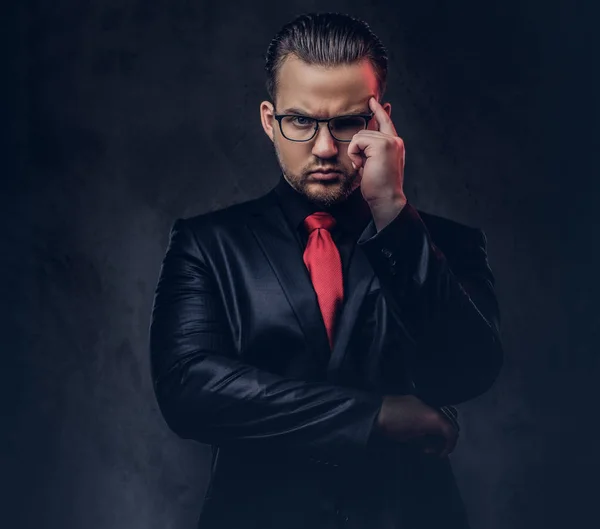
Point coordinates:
pixel 449 310
pixel 206 391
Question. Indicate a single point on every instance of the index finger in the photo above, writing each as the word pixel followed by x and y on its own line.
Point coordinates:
pixel 385 122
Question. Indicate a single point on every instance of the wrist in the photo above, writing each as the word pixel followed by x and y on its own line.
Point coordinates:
pixel 381 421
pixel 378 437
pixel 384 210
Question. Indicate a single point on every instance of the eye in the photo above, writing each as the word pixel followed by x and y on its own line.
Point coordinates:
pixel 302 121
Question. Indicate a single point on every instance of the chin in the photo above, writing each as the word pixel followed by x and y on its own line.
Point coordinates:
pixel 325 193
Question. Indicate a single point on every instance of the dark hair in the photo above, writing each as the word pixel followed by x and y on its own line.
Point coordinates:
pixel 326 39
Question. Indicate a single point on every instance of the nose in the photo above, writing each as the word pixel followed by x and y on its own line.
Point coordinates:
pixel 324 145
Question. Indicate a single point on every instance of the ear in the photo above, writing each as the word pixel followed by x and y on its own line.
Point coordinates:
pixel 267 111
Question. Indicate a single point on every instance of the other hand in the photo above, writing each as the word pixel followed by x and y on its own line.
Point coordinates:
pixel 407 419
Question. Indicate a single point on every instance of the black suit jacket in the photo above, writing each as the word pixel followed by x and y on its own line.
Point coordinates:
pixel 241 361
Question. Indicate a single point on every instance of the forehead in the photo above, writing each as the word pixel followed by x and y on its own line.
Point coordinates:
pixel 324 91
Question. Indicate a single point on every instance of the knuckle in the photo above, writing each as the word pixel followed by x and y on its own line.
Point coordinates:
pixel 392 144
pixel 433 417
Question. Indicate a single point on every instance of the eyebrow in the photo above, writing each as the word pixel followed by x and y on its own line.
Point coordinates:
pixel 305 113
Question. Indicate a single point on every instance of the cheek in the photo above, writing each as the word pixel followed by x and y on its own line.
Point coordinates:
pixel 294 155
pixel 343 156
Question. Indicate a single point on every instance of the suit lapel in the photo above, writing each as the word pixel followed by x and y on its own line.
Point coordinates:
pixel 360 275
pixel 285 257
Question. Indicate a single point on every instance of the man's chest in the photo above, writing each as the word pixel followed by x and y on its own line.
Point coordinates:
pixel 274 318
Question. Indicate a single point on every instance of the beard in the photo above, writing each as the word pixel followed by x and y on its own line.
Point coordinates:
pixel 324 194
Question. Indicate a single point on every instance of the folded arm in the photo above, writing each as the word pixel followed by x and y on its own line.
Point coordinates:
pixel 450 312
pixel 208 393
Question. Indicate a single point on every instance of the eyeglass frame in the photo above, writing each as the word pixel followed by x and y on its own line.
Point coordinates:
pixel 279 117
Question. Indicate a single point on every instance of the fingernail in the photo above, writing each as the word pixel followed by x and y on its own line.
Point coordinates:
pixel 353 165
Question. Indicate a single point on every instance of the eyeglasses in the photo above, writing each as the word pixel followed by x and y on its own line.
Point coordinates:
pixel 302 128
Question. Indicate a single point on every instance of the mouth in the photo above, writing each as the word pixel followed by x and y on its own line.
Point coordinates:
pixel 325 175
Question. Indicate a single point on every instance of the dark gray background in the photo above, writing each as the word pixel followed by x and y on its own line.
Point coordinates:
pixel 126 114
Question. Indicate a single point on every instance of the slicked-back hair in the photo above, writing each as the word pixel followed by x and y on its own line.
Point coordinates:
pixel 325 39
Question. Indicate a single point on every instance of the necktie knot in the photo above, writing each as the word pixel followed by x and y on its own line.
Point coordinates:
pixel 317 220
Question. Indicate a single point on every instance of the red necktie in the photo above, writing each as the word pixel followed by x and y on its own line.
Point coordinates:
pixel 322 259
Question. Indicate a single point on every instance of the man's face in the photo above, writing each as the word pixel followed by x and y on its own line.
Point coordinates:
pixel 319 92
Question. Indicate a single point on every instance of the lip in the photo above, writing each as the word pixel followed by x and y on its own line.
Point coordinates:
pixel 325 175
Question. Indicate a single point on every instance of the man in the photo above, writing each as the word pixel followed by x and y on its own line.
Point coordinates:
pixel 318 335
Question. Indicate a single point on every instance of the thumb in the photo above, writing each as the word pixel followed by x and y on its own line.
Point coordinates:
pixel 356 160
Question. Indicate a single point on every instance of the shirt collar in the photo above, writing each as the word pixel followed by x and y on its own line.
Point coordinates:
pixel 352 215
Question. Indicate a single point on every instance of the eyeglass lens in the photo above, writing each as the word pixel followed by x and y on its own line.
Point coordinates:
pixel 300 128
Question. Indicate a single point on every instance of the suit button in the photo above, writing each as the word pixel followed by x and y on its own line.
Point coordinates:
pixel 386 252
